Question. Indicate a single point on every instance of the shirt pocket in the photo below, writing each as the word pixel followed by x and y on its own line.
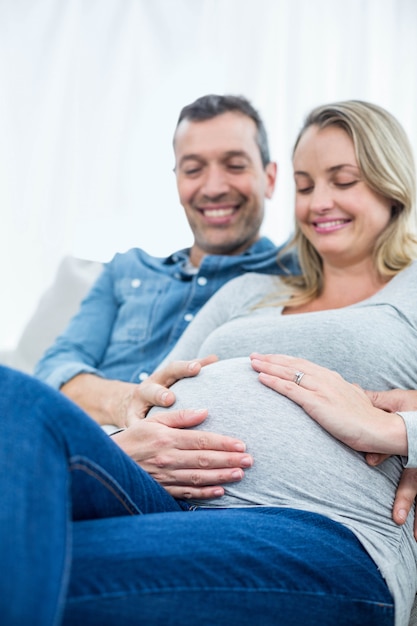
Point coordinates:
pixel 137 299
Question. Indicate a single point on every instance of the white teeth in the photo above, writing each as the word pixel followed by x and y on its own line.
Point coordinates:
pixel 330 224
pixel 217 212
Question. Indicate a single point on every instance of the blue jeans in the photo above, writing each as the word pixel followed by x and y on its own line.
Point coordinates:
pixel 87 537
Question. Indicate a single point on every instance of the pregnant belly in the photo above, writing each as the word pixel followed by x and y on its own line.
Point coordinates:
pixel 296 462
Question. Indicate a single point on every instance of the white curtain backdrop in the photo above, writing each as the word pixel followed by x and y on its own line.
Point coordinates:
pixel 90 91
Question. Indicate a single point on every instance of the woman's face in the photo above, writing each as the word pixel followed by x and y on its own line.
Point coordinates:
pixel 336 210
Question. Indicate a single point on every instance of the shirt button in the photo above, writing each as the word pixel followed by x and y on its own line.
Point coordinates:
pixel 143 375
pixel 202 280
pixel 135 283
pixel 188 317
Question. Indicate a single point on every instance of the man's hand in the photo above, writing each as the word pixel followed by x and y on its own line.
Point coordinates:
pixel 120 403
pixel 394 401
pixel 405 498
pixel 188 463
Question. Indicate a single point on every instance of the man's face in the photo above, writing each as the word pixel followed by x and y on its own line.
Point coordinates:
pixel 222 183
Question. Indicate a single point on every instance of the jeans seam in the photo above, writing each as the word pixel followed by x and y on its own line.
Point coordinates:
pixel 228 589
pixel 96 472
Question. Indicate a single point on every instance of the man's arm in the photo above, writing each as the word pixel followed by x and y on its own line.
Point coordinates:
pixel 82 345
pixel 106 401
pixel 121 403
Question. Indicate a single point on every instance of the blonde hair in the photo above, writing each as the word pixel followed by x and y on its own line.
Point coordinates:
pixel 386 161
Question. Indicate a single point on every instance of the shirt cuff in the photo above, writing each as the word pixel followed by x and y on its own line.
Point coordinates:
pixel 410 420
pixel 63 374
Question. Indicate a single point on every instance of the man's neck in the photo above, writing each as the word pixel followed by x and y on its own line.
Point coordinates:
pixel 197 254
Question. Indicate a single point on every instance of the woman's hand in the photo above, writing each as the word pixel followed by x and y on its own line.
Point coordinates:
pixel 343 409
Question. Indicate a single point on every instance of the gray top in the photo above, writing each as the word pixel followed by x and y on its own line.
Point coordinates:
pixel 297 463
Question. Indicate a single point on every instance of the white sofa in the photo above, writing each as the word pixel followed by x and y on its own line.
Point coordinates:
pixel 57 305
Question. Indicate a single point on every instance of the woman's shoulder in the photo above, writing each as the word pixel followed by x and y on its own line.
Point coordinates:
pixel 248 290
pixel 405 279
pixel 255 281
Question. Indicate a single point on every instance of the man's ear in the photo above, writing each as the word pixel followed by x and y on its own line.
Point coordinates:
pixel 271 171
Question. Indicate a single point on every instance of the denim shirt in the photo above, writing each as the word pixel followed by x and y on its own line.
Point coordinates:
pixel 138 308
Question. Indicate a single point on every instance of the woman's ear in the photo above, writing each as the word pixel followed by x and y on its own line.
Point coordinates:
pixel 395 210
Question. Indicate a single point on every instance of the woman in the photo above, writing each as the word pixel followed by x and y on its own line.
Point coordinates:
pixel 351 311
pixel 310 538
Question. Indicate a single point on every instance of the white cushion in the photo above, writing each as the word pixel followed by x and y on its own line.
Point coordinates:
pixel 57 305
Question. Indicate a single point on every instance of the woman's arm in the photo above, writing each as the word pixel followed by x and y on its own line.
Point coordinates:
pixel 364 420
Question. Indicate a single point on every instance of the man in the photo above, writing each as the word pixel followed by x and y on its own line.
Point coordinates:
pixel 141 305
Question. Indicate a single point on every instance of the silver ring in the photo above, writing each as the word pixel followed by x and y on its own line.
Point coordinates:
pixel 297 377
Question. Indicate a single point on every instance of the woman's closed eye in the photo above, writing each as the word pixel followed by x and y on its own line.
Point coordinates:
pixel 304 189
pixel 346 184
